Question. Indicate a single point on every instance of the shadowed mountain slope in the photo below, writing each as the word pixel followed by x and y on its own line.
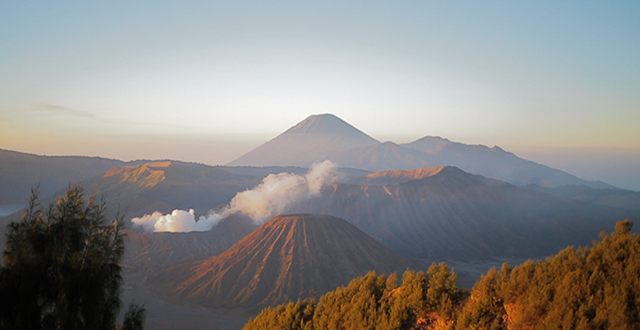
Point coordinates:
pixel 489 162
pixel 494 163
pixel 620 198
pixel 307 142
pixel 287 258
pixel 136 190
pixel 450 214
pixel 379 157
pixel 19 172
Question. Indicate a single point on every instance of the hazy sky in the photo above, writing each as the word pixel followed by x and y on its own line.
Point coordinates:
pixel 554 81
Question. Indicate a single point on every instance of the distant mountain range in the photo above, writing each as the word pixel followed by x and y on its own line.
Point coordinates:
pixel 316 138
pixel 326 136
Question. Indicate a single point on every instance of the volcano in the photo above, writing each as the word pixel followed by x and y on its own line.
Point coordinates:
pixel 288 258
pixel 309 141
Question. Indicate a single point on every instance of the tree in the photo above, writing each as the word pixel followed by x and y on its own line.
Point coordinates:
pixel 484 309
pixel 62 268
pixel 290 316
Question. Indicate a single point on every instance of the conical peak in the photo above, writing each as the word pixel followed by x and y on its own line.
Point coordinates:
pixel 324 124
pixel 283 220
pixel 292 224
pixel 287 258
pixel 311 140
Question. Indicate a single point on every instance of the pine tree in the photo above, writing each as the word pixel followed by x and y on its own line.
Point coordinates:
pixel 62 268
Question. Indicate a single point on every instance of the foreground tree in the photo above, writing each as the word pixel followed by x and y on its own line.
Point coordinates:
pixel 62 268
pixel 594 287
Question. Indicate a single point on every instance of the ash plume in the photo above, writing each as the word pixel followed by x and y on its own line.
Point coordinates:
pixel 270 198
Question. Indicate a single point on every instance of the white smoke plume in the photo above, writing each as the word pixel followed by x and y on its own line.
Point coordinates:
pixel 268 199
pixel 176 221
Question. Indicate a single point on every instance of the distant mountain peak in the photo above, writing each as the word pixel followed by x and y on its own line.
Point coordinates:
pixel 325 124
pixel 309 141
pixel 430 144
pixel 433 138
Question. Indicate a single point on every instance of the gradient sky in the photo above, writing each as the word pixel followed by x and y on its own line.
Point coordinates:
pixel 554 82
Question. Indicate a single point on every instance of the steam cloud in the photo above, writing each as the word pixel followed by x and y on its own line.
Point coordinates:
pixel 176 221
pixel 269 198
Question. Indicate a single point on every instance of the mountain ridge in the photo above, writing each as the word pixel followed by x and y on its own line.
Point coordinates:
pixel 22 171
pixel 453 214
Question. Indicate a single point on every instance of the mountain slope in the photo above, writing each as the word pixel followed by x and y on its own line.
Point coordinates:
pixel 167 185
pixel 307 142
pixel 380 157
pixel 288 258
pixel 494 163
pixel 454 215
pixel 150 252
pixel 21 171
pixel 620 198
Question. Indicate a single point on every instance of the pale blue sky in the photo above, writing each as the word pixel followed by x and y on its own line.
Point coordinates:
pixel 207 81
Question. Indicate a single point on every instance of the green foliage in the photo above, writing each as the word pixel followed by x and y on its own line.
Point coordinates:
pixel 484 309
pixel 352 307
pixel 586 288
pixel 371 302
pixel 62 268
pixel 442 291
pixel 291 316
